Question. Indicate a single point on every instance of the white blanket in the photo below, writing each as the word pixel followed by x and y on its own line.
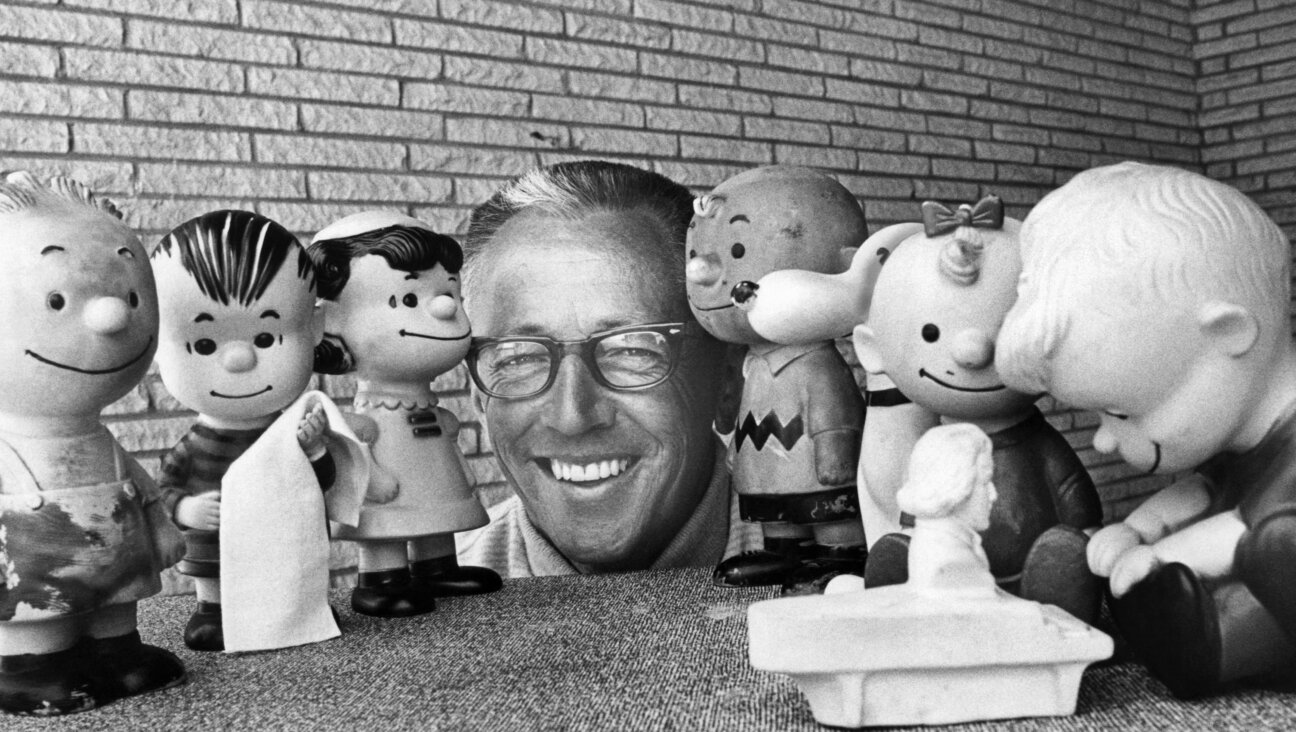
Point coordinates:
pixel 273 534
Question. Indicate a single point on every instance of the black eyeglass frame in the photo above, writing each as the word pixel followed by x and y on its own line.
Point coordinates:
pixel 675 333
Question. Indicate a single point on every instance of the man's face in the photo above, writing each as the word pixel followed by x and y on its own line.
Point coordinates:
pixel 231 361
pixel 567 280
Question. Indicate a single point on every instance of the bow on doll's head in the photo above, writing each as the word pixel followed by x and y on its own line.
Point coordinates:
pixel 940 219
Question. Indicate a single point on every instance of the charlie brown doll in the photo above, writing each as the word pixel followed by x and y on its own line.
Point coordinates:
pixel 82 534
pixel 394 316
pixel 795 441
pixel 238 332
pixel 1160 299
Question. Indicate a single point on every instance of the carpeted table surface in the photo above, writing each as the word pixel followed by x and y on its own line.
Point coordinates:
pixel 644 651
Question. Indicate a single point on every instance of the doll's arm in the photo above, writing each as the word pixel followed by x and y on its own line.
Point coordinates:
pixel 1206 547
pixel 836 456
pixel 1161 515
pixel 310 436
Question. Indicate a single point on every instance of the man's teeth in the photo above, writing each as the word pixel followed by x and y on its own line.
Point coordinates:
pixel 591 471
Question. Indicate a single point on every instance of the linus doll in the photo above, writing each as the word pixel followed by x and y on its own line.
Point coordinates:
pixel 394 316
pixel 82 533
pixel 1160 298
pixel 238 332
pixel 795 442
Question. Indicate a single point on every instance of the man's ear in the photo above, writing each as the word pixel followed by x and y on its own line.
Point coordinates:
pixel 1230 327
pixel 867 349
pixel 479 403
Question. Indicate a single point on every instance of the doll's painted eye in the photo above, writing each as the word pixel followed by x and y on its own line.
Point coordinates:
pixel 133 299
pixel 391 302
pixel 410 300
pixel 692 254
pixel 55 301
pixel 204 346
pixel 263 340
pixel 930 333
pixel 737 250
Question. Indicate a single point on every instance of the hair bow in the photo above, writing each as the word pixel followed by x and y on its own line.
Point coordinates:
pixel 940 219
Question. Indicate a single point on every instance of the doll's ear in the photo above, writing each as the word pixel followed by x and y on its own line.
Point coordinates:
pixel 1229 327
pixel 867 349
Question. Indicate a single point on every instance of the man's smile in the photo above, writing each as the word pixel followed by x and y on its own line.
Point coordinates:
pixel 581 470
pixel 92 372
pixel 924 373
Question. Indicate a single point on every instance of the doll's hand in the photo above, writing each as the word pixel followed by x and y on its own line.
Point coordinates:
pixel 1109 545
pixel 200 512
pixel 1133 566
pixel 310 431
pixel 383 486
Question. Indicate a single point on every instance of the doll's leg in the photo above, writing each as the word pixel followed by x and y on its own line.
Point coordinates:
pixel 1056 572
pixel 131 666
pixel 888 561
pixel 434 565
pixel 45 669
pixel 204 631
pixel 384 588
pixel 1266 561
pixel 839 549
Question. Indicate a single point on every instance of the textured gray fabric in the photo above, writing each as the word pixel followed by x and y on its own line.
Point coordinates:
pixel 644 651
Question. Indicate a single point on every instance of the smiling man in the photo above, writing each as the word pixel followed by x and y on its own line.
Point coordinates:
pixel 597 387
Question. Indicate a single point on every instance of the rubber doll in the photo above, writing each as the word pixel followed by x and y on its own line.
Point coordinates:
pixel 394 316
pixel 82 533
pixel 247 483
pixel 1160 299
pixel 795 443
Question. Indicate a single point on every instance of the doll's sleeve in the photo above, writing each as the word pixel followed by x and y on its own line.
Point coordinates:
pixel 173 477
pixel 833 400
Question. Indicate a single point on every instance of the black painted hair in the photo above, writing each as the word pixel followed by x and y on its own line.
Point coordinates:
pixel 234 255
pixel 405 248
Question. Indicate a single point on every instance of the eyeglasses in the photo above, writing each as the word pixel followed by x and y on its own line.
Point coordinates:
pixel 625 359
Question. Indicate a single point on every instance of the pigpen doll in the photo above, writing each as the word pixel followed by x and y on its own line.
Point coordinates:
pixel 394 316
pixel 250 481
pixel 82 533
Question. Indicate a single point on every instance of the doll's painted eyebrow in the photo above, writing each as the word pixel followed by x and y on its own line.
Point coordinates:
pixel 204 317
pixel 411 275
pixel 127 253
pixel 1117 415
pixel 738 218
pixel 271 314
pixel 52 248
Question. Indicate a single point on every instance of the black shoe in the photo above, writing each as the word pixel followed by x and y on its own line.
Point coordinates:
pixel 391 594
pixel 1170 622
pixel 51 684
pixel 204 631
pixel 825 563
pixel 888 561
pixel 443 577
pixel 131 667
pixel 1056 572
pixel 755 568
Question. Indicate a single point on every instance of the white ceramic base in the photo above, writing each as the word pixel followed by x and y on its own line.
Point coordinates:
pixel 893 656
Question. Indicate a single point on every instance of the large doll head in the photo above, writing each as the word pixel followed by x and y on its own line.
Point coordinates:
pixel 771 218
pixel 1159 298
pixel 937 308
pixel 239 324
pixel 393 308
pixel 78 320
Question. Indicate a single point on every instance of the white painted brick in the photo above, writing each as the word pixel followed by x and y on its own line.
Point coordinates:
pixel 31 97
pixel 449 38
pixel 210 180
pixel 461 159
pixel 716 45
pixel 513 17
pixel 334 186
pixel 302 84
pixel 371 122
pixel 785 82
pixel 624 142
pixel 778 31
pixel 862 93
pixel 132 141
pixel 340 152
pixel 370 59
pixel 309 217
pixel 209 43
pixel 698 175
pixel 586 111
pixel 725 148
pixel 203 11
pixel 687 69
pixel 445 219
pixel 502 74
pixel 874 187
pixel 466 99
pixel 857 45
pixel 472 191
pixel 807 61
pixel 736 100
pixel 815 13
pixel 581 54
pixel 628 33
pixel 594 84
pixel 783 130
pixel 855 137
pixel 818 157
pixel 301 19
pixel 25 59
pixel 693 120
pixel 104 177
pixel 215 110
pixel 508 133
pixel 61 26
pixel 684 14
pixel 160 215
pixel 812 109
pixel 138 69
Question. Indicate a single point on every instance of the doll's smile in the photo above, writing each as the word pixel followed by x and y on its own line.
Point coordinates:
pixel 92 372
pixel 240 396
pixel 924 373
pixel 699 308
pixel 414 334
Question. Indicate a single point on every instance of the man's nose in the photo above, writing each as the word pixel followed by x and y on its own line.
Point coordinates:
pixel 972 349
pixel 704 270
pixel 577 403
pixel 237 357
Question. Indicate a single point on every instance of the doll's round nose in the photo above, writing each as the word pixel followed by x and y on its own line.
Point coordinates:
pixel 443 307
pixel 703 270
pixel 237 357
pixel 972 349
pixel 106 315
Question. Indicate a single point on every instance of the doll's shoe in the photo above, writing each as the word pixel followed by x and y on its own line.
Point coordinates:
pixel 131 667
pixel 390 594
pixel 1169 620
pixel 204 631
pixel 757 567
pixel 51 684
pixel 822 566
pixel 1056 572
pixel 888 561
pixel 443 577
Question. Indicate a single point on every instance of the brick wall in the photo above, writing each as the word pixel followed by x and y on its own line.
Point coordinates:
pixel 307 111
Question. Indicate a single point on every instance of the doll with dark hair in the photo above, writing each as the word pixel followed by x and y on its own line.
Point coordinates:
pixel 394 316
